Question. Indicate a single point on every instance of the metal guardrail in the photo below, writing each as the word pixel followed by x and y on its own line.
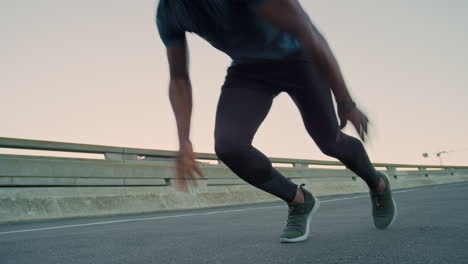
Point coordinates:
pixel 147 167
pixel 122 153
pixel 132 180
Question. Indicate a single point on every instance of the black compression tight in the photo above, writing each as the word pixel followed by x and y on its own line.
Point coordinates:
pixel 245 100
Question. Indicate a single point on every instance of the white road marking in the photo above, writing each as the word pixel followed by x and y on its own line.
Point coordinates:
pixel 182 215
pixel 139 219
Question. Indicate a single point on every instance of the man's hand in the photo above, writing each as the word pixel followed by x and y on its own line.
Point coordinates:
pixel 357 118
pixel 185 166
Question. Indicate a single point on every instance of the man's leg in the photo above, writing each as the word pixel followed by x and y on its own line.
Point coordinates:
pixel 314 101
pixel 239 113
pixel 315 104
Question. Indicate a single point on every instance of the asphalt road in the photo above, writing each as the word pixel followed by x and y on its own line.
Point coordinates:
pixel 431 228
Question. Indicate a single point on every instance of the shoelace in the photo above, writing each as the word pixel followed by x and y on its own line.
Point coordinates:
pixel 378 198
pixel 294 216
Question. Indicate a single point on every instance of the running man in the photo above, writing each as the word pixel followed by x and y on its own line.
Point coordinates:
pixel 274 48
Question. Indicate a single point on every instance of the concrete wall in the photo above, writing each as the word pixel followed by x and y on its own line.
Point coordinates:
pixel 138 181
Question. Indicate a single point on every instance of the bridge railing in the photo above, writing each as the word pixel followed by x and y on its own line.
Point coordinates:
pixel 135 166
pixel 50 184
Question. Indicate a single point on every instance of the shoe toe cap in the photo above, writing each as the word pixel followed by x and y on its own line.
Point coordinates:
pixel 291 234
pixel 382 222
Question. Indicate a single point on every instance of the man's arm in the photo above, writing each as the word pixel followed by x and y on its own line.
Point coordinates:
pixel 180 95
pixel 180 91
pixel 290 17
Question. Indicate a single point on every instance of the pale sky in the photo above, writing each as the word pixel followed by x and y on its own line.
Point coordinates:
pixel 95 72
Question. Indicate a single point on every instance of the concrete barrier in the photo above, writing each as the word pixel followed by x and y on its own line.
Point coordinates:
pixel 139 180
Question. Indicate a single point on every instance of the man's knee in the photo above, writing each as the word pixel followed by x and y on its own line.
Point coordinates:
pixel 329 149
pixel 245 161
pixel 335 148
pixel 225 146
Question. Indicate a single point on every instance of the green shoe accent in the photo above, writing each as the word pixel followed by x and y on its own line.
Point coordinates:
pixel 299 217
pixel 383 206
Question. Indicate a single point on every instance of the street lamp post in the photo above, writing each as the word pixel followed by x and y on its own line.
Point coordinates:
pixel 439 154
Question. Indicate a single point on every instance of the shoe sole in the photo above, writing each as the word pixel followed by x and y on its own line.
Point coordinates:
pixel 306 234
pixel 394 205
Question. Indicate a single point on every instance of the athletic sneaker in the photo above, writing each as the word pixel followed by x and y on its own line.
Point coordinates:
pixel 299 216
pixel 383 206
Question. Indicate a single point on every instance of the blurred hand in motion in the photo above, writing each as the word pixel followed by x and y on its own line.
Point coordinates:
pixel 357 118
pixel 186 167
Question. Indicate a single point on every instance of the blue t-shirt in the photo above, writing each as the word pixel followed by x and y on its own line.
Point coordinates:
pixel 228 25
